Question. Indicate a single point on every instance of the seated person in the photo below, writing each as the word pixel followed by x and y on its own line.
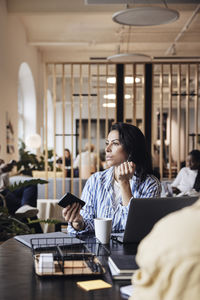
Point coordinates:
pixel 67 161
pixel 23 201
pixel 108 193
pixel 88 161
pixel 188 178
pixel 67 158
pixel 169 258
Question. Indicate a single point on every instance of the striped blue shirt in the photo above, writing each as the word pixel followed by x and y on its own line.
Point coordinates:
pixel 98 196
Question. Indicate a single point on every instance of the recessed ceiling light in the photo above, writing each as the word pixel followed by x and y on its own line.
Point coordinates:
pixel 130 80
pixel 110 104
pixel 110 96
pixel 111 80
pixel 127 80
pixel 127 96
pixel 113 96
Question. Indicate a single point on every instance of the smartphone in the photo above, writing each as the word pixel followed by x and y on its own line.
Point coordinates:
pixel 69 199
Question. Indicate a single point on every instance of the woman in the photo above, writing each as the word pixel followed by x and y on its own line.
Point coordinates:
pixel 108 193
pixel 88 161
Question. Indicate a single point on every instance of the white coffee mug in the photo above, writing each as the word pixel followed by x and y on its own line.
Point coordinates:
pixel 103 227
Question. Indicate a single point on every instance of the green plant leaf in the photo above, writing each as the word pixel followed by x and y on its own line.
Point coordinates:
pixel 47 221
pixel 17 185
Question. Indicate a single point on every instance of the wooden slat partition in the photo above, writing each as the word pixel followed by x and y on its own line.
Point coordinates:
pixel 170 120
pixel 143 100
pixel 89 112
pixel 196 105
pixel 177 96
pixel 178 114
pixel 187 111
pixel 134 94
pixel 72 123
pixel 45 127
pixel 161 122
pixel 98 116
pixel 54 129
pixel 80 128
pixel 63 127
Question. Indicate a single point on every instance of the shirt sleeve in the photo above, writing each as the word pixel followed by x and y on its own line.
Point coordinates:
pixel 120 217
pixel 151 188
pixel 88 210
pixel 177 180
pixel 76 162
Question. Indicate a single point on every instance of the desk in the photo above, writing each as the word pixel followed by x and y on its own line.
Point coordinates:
pixel 18 280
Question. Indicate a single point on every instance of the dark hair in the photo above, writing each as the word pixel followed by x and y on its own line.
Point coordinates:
pixel 134 144
pixel 196 157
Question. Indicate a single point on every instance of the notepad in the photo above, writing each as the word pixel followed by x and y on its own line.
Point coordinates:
pixel 123 263
pixel 93 284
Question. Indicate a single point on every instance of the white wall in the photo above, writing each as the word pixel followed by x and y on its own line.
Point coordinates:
pixel 14 50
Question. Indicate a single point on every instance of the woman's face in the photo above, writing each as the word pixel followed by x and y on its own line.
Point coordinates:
pixel 67 154
pixel 115 154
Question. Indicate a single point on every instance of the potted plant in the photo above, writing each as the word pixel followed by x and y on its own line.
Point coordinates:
pixel 11 226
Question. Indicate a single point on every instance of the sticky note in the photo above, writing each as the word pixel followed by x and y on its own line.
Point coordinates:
pixel 93 284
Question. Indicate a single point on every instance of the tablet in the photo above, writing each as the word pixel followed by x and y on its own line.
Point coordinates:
pixel 69 199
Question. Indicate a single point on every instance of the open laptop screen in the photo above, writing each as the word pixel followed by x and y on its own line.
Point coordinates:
pixel 144 213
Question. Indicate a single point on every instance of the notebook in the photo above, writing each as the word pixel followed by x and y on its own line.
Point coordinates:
pixel 123 264
pixel 145 212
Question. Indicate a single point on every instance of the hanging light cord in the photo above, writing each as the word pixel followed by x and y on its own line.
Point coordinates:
pixel 165 2
pixel 128 38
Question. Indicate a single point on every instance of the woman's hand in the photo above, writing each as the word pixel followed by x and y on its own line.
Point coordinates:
pixel 175 190
pixel 125 171
pixel 71 213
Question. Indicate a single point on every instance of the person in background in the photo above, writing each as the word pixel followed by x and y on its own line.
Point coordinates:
pixel 86 162
pixel 22 202
pixel 188 178
pixel 168 258
pixel 67 162
pixel 108 193
pixel 67 158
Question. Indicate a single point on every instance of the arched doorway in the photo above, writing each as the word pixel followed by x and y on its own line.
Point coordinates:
pixel 26 103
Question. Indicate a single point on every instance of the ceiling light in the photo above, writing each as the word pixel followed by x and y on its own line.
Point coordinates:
pixel 110 104
pixel 113 96
pixel 110 96
pixel 145 16
pixel 127 96
pixel 129 57
pixel 111 80
pixel 127 80
pixel 33 141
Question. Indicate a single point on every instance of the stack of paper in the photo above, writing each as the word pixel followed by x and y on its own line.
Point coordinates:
pixel 126 290
pixel 122 266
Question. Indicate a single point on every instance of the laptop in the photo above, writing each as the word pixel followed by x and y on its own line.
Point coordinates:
pixel 145 212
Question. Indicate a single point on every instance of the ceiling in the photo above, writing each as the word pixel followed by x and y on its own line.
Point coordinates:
pixel 66 30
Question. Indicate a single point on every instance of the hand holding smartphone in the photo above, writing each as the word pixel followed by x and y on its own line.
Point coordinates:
pixel 69 199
